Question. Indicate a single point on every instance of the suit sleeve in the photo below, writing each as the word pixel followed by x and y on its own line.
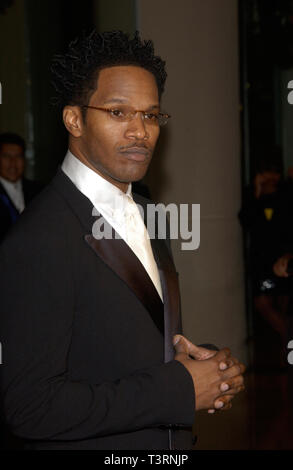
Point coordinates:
pixel 40 400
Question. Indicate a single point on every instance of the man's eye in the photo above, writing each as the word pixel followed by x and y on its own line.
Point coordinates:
pixel 151 116
pixel 117 113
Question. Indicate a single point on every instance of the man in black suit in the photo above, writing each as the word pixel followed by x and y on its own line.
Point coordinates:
pixel 15 190
pixel 90 319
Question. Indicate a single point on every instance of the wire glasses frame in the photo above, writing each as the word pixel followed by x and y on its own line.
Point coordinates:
pixel 122 115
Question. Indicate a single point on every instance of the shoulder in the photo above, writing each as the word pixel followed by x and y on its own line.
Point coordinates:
pixel 31 188
pixel 42 225
pixel 47 206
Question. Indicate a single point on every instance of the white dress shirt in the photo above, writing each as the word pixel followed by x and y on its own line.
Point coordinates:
pixel 118 209
pixel 15 192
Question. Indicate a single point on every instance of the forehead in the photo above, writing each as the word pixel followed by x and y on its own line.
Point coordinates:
pixel 11 150
pixel 126 83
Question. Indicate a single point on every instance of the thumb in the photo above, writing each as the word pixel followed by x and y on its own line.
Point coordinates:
pixel 191 349
pixel 180 344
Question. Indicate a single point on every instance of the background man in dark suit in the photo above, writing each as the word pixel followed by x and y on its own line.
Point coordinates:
pixel 88 322
pixel 15 190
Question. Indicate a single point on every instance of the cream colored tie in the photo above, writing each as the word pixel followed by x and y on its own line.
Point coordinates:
pixel 138 239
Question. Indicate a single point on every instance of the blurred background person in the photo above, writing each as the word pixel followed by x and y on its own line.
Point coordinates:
pixel 264 218
pixel 15 190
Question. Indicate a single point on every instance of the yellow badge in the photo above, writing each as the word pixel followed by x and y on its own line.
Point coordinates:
pixel 269 213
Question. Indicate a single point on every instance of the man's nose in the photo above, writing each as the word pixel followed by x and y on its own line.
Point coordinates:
pixel 136 128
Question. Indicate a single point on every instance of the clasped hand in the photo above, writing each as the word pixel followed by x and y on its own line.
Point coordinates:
pixel 217 376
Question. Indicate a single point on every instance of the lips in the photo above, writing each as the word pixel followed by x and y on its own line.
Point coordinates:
pixel 138 154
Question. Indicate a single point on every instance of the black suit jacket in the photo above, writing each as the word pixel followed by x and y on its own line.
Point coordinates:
pixel 87 342
pixel 8 212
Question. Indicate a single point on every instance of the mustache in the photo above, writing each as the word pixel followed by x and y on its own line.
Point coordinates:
pixel 135 146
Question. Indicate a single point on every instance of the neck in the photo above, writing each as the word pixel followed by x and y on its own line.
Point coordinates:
pixel 78 154
pixel 9 181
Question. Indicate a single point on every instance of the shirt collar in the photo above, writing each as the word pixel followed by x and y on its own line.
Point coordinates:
pixel 16 185
pixel 102 194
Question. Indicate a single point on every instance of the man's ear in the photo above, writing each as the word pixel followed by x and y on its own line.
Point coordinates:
pixel 73 121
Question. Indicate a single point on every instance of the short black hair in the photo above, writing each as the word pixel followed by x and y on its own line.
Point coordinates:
pixel 11 138
pixel 75 72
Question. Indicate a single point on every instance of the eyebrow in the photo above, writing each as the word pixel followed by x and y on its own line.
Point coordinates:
pixel 115 100
pixel 124 101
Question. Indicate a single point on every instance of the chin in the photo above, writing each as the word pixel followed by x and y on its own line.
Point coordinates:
pixel 13 179
pixel 134 178
pixel 129 176
pixel 137 175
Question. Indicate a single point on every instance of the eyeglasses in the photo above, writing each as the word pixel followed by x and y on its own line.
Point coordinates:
pixel 126 113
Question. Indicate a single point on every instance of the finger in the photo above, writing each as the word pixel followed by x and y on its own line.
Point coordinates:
pixel 242 367
pixel 226 364
pixel 233 384
pixel 196 352
pixel 211 411
pixel 235 360
pixel 223 402
pixel 236 369
pixel 222 355
pixel 223 365
pixel 228 406
pixel 232 371
pixel 193 350
pixel 230 362
pixel 180 344
pixel 199 353
pixel 232 391
pixel 176 339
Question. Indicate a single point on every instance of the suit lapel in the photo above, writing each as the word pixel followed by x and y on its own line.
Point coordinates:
pixel 171 295
pixel 170 287
pixel 116 254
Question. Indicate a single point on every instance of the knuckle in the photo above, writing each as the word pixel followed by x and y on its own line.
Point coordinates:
pixel 236 370
pixel 227 398
pixel 220 375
